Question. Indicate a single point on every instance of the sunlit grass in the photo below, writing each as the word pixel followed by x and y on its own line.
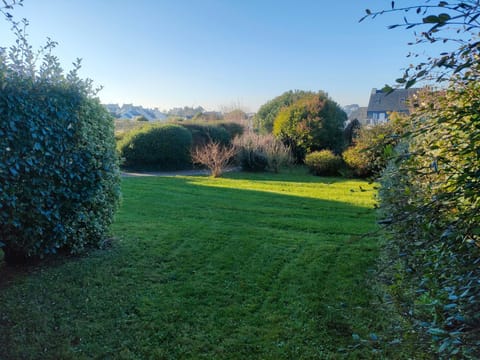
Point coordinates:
pixel 247 266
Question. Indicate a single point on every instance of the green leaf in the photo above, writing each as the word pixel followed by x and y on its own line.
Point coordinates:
pixel 387 89
pixel 410 83
pixel 432 19
pixel 444 18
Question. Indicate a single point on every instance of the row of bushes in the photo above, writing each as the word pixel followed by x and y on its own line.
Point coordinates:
pixel 371 149
pixel 168 146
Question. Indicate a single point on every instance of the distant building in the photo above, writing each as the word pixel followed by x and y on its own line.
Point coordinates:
pixel 381 104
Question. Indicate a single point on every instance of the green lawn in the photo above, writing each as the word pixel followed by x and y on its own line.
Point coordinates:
pixel 248 266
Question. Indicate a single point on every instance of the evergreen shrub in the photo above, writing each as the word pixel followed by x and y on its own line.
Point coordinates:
pixel 324 163
pixel 203 134
pixel 163 147
pixel 59 178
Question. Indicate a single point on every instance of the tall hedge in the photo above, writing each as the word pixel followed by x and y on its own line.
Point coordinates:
pixel 59 178
pixel 204 133
pixel 430 201
pixel 165 147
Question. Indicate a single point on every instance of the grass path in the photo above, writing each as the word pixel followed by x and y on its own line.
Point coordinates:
pixel 247 266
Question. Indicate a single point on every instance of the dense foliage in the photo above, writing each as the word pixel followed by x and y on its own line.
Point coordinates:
pixel 324 163
pixel 265 117
pixel 59 179
pixel 163 147
pixel 234 129
pixel 204 133
pixel 315 122
pixel 431 197
pixel 372 147
pixel 430 193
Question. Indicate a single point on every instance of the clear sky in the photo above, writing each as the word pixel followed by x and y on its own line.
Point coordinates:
pixel 221 53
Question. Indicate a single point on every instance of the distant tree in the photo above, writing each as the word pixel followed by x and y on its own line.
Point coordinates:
pixel 265 117
pixel 315 122
pixel 208 116
pixel 140 118
pixel 186 112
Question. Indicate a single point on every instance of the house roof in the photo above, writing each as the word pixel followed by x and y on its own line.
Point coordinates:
pixel 395 101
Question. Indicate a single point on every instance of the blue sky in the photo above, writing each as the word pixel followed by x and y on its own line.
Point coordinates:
pixel 221 53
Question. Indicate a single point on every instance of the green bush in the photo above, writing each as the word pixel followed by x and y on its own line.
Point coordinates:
pixel 157 146
pixel 59 178
pixel 373 147
pixel 266 114
pixel 203 134
pixel 233 129
pixel 324 163
pixel 312 123
pixel 430 202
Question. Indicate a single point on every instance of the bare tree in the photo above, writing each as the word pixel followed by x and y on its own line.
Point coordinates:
pixel 215 156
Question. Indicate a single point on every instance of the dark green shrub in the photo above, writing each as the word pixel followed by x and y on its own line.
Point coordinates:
pixel 233 129
pixel 252 160
pixel 324 163
pixel 203 134
pixel 157 146
pixel 59 178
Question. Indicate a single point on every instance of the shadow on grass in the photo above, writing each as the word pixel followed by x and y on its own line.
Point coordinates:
pixel 291 174
pixel 202 271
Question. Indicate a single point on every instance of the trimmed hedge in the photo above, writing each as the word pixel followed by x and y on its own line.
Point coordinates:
pixel 59 178
pixel 324 163
pixel 165 147
pixel 233 129
pixel 204 134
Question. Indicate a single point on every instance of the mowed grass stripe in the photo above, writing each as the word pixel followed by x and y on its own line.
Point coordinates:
pixel 249 266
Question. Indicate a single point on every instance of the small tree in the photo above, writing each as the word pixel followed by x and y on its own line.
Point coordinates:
pixel 313 123
pixel 265 116
pixel 215 156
